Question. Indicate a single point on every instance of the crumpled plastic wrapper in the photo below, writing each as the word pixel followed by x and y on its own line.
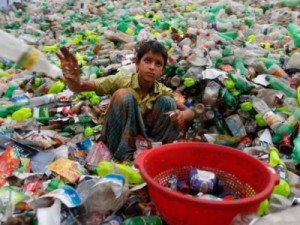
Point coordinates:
pixel 43 139
pixel 9 161
pixel 98 153
pixel 104 195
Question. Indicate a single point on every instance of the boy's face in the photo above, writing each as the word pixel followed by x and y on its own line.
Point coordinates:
pixel 150 67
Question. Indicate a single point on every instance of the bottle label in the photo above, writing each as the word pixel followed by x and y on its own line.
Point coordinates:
pixel 270 118
pixel 202 181
pixel 29 58
pixel 205 175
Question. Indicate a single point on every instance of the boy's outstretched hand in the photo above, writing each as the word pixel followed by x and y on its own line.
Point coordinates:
pixel 176 116
pixel 70 68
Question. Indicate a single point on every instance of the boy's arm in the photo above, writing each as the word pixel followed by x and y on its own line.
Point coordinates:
pixel 88 86
pixel 186 113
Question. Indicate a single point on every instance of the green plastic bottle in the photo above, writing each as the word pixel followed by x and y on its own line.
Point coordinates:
pixel 221 127
pixel 14 107
pixel 216 8
pixel 238 64
pixel 290 3
pixel 228 98
pixel 226 51
pixel 296 150
pixel 287 127
pixel 94 72
pixel 240 83
pixel 3 112
pixel 268 62
pixel 294 31
pixel 281 85
pixel 228 36
pixel 144 220
pixel 10 91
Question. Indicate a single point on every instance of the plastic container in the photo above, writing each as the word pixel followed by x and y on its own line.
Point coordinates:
pixel 241 173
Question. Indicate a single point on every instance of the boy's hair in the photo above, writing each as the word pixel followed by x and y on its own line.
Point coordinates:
pixel 154 46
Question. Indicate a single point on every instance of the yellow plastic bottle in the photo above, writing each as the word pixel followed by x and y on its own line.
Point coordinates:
pixel 283 188
pixel 131 175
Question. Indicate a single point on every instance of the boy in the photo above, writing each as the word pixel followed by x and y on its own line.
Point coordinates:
pixel 139 105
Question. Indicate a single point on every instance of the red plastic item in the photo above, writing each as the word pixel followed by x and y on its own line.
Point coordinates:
pixel 242 173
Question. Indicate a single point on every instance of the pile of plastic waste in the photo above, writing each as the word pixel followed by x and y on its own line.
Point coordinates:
pixel 235 63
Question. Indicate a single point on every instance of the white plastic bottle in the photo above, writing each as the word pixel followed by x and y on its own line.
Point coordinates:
pixel 26 56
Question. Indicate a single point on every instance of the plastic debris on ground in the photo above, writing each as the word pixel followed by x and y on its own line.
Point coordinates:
pixel 235 63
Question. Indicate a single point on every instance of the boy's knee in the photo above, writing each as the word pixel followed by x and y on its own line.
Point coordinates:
pixel 164 104
pixel 166 101
pixel 122 95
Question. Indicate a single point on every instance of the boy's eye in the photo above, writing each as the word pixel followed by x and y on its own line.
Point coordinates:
pixel 147 60
pixel 158 64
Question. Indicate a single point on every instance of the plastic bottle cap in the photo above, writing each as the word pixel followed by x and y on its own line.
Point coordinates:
pixel 180 71
pixel 251 38
pixel 199 108
pixel 246 106
pixel 88 131
pixel 189 82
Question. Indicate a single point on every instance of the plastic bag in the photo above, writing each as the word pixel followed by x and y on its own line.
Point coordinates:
pixel 98 153
pixel 103 195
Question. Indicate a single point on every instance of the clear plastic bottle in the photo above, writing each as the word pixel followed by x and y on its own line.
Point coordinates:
pixel 42 100
pixel 235 125
pixel 194 72
pixel 26 56
pixel 277 71
pixel 211 94
pixel 269 95
pixel 199 57
pixel 269 116
pixel 294 61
